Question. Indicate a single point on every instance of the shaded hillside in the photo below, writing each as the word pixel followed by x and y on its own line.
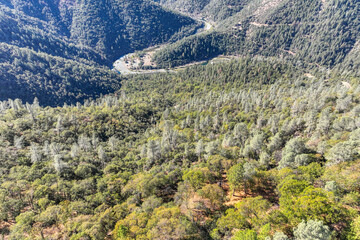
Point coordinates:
pixel 109 28
pixel 27 32
pixel 117 27
pixel 26 74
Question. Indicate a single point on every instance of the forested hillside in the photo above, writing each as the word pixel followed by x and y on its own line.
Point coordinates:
pixel 26 74
pixel 73 35
pixel 319 32
pixel 214 10
pixel 263 144
pixel 95 33
pixel 249 149
pixel 108 28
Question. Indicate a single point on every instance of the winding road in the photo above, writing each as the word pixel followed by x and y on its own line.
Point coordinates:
pixel 120 65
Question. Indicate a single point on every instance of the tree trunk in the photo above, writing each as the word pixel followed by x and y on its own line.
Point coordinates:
pixel 42 234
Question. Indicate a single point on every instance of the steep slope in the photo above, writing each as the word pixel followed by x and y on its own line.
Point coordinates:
pixel 320 32
pixel 214 10
pixel 195 7
pixel 352 61
pixel 26 74
pixel 116 27
pixel 24 31
pixel 85 32
pixel 110 28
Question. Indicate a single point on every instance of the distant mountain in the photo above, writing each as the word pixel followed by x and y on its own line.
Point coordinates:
pixel 318 32
pixel 88 29
pixel 321 33
pixel 85 32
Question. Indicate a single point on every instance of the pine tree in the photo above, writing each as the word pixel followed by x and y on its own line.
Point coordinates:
pixel 35 154
pixel 153 150
pixel 102 155
pixel 58 164
pixel 74 152
pixel 280 236
pixel 113 141
pixel 19 142
pixel 312 230
pixel 59 125
pixel 84 143
pixel 199 148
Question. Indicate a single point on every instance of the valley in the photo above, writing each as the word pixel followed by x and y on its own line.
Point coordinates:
pixel 179 120
pixel 140 62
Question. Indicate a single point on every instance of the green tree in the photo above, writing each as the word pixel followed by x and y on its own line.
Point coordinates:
pixel 214 193
pixel 313 202
pixel 169 223
pixel 232 219
pixel 355 229
pixel 24 224
pixel 236 177
pixel 247 234
pixel 254 210
pixel 196 178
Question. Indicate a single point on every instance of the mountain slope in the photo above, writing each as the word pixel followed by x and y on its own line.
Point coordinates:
pixel 89 33
pixel 248 147
pixel 109 28
pixel 320 32
pixel 26 74
pixel 214 10
pixel 115 27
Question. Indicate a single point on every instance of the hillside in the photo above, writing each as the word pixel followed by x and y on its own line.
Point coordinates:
pixel 26 74
pixel 91 34
pixel 321 33
pixel 262 144
pixel 227 151
pixel 95 33
pixel 213 10
pixel 109 28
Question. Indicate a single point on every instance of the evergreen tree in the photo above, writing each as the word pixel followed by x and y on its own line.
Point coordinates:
pixel 312 230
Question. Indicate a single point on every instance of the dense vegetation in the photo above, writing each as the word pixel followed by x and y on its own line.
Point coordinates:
pixel 260 148
pixel 27 74
pixel 249 149
pixel 92 34
pixel 213 10
pixel 58 50
pixel 322 33
pixel 107 28
pixel 195 48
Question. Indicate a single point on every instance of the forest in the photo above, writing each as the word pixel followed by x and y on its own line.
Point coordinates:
pixel 247 149
pixel 324 33
pixel 262 144
pixel 26 74
pixel 213 10
pixel 93 34
pixel 100 31
pixel 62 51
